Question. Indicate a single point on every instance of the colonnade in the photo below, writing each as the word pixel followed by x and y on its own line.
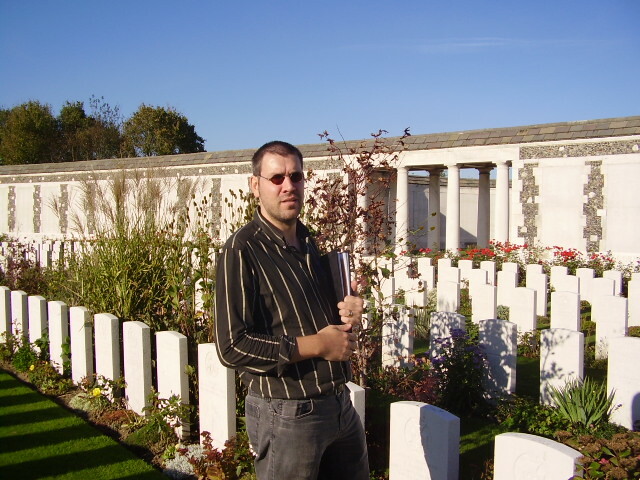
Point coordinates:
pixel 452 232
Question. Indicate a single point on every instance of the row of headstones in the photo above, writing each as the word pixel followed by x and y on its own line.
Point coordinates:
pixel 561 356
pixel 50 253
pixel 424 438
pixel 45 254
pixel 98 344
pixel 415 278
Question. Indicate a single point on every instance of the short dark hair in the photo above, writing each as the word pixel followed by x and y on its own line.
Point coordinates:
pixel 277 147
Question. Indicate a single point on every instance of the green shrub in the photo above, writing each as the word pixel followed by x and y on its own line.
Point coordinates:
pixel 585 404
pixel 520 414
pixel 459 372
pixel 156 428
pixel 529 344
pixel 8 346
pixel 503 312
pixel 47 379
pixel 412 383
pixel 24 357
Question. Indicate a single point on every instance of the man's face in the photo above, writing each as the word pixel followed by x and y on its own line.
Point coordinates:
pixel 280 204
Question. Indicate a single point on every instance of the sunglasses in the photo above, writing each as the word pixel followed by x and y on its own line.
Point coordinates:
pixel 278 178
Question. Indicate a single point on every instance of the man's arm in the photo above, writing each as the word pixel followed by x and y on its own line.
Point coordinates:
pixel 334 342
pixel 239 346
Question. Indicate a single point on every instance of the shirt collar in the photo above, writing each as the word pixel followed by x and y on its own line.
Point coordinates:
pixel 275 234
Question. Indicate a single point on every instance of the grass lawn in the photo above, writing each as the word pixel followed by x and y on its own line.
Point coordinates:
pixel 40 439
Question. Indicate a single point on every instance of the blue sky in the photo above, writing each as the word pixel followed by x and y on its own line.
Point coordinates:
pixel 247 72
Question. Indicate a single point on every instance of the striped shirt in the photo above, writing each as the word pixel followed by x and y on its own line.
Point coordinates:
pixel 267 294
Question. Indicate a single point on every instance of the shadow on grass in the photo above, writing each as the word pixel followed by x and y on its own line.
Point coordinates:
pixel 77 462
pixel 528 377
pixel 41 439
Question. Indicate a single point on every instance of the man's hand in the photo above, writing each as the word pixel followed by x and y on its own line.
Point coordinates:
pixel 333 342
pixel 351 309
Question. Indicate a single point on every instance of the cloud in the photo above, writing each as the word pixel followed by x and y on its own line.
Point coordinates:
pixel 473 45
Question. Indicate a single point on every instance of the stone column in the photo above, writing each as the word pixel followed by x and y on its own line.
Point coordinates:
pixel 453 207
pixel 402 208
pixel 484 208
pixel 433 222
pixel 501 221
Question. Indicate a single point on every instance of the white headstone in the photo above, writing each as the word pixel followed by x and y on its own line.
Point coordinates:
pixel 440 326
pixel 538 282
pixel 601 287
pixel 44 253
pixel 19 313
pixel 490 268
pixel 522 310
pixel 357 394
pixel 171 368
pixel 534 268
pixel 107 335
pixel 567 283
pixel 424 442
pixel 423 262
pixel 448 296
pixel 443 263
pixel 586 275
pixel 623 377
pixel 510 267
pixel 465 267
pixel 521 456
pixel 58 314
pixel 5 313
pixel 428 277
pixel 507 283
pixel 616 276
pixel 499 340
pixel 416 295
pixel 449 274
pixel 81 330
pixel 388 289
pixel 561 360
pixel 633 296
pixel 565 310
pixel 556 272
pixel 484 303
pixel 136 344
pixel 610 314
pixel 38 321
pixel 410 287
pixel 477 278
pixel 397 336
pixel 216 396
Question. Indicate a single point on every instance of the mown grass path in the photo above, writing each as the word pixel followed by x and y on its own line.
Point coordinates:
pixel 39 439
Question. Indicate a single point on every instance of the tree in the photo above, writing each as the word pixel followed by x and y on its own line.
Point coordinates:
pixel 72 120
pixel 160 131
pixel 28 134
pixel 89 137
pixel 349 212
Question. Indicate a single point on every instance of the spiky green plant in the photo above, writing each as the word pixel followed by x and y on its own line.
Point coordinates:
pixel 585 403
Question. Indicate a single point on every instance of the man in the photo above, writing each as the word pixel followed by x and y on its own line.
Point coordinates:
pixel 278 323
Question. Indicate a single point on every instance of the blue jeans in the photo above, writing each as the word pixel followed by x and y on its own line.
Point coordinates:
pixel 316 438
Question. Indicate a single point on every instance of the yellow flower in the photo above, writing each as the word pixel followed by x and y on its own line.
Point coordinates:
pixel 32 368
pixel 96 392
